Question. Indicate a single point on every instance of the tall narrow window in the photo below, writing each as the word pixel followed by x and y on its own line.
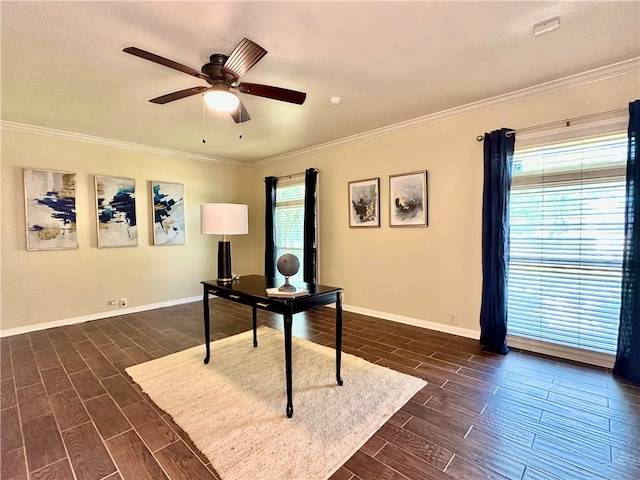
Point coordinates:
pixel 289 220
pixel 567 232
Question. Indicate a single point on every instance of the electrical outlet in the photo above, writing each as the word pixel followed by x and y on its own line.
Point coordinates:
pixel 123 302
pixel 453 318
pixel 113 302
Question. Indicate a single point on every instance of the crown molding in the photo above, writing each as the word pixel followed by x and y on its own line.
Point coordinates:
pixel 108 142
pixel 572 81
pixel 553 86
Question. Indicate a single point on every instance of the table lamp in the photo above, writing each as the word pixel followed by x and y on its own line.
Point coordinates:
pixel 224 219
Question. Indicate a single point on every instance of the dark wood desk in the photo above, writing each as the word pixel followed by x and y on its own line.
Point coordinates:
pixel 251 290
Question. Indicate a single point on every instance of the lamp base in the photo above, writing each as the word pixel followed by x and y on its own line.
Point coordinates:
pixel 224 262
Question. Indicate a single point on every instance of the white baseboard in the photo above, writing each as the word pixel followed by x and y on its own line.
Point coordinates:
pixel 562 352
pixel 559 351
pixel 463 332
pixel 439 327
pixel 95 316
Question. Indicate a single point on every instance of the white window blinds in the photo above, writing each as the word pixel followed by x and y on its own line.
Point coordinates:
pixel 289 221
pixel 567 230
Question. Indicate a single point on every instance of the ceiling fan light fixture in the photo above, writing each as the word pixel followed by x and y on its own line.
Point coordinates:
pixel 223 73
pixel 221 101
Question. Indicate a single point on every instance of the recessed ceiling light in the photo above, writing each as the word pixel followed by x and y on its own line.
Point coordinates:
pixel 335 100
pixel 546 26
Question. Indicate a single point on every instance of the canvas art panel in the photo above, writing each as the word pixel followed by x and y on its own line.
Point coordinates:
pixel 364 203
pixel 116 212
pixel 50 208
pixel 408 200
pixel 168 213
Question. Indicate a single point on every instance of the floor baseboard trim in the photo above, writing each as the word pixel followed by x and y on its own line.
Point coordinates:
pixel 416 322
pixel 95 316
pixel 452 329
pixel 557 351
pixel 544 348
pixel 562 352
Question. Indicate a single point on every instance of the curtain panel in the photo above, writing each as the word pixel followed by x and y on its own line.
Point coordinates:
pixel 627 362
pixel 269 230
pixel 498 164
pixel 310 252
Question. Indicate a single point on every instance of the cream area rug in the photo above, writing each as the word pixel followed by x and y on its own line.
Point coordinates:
pixel 234 408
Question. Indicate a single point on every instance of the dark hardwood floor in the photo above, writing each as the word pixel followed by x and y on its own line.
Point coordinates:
pixel 68 410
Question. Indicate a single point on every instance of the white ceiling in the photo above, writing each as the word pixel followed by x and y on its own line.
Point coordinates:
pixel 63 67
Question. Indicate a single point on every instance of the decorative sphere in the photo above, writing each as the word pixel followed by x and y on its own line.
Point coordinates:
pixel 288 265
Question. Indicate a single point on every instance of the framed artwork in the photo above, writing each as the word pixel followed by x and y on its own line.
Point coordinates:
pixel 364 203
pixel 50 208
pixel 116 212
pixel 168 213
pixel 408 200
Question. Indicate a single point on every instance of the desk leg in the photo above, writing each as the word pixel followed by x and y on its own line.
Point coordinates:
pixel 205 308
pixel 288 320
pixel 255 325
pixel 338 336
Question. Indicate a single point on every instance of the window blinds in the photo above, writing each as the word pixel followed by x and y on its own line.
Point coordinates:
pixel 567 231
pixel 289 220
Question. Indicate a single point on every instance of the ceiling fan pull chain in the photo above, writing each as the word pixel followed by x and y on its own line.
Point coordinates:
pixel 240 117
pixel 203 121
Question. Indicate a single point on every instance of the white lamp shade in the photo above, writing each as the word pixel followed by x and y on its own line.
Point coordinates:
pixel 224 219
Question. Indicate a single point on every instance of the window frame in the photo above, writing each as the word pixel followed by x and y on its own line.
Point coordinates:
pixel 548 138
pixel 283 182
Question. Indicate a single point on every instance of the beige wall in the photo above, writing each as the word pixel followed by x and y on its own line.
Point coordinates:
pixel 424 274
pixel 419 275
pixel 48 286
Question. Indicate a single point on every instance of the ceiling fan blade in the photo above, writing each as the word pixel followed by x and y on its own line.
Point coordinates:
pixel 276 93
pixel 152 57
pixel 246 54
pixel 242 115
pixel 170 97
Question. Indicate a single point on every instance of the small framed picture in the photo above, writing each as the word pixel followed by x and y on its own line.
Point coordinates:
pixel 116 212
pixel 168 213
pixel 409 200
pixel 364 203
pixel 50 206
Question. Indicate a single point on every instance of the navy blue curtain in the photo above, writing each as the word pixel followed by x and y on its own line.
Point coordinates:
pixel 498 163
pixel 310 252
pixel 269 230
pixel 627 362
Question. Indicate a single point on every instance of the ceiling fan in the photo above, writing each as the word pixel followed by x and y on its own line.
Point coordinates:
pixel 222 73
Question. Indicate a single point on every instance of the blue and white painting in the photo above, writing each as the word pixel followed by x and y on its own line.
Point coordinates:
pixel 116 207
pixel 168 213
pixel 50 199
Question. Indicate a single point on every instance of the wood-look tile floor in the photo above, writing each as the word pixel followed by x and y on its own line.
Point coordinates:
pixel 69 410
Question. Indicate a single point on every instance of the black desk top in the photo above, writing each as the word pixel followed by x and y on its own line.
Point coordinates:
pixel 251 290
pixel 256 285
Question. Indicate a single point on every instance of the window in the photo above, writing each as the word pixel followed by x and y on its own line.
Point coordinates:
pixel 567 231
pixel 289 221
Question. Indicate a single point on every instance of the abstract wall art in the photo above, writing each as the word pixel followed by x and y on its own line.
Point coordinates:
pixel 116 209
pixel 408 200
pixel 168 213
pixel 364 203
pixel 50 201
